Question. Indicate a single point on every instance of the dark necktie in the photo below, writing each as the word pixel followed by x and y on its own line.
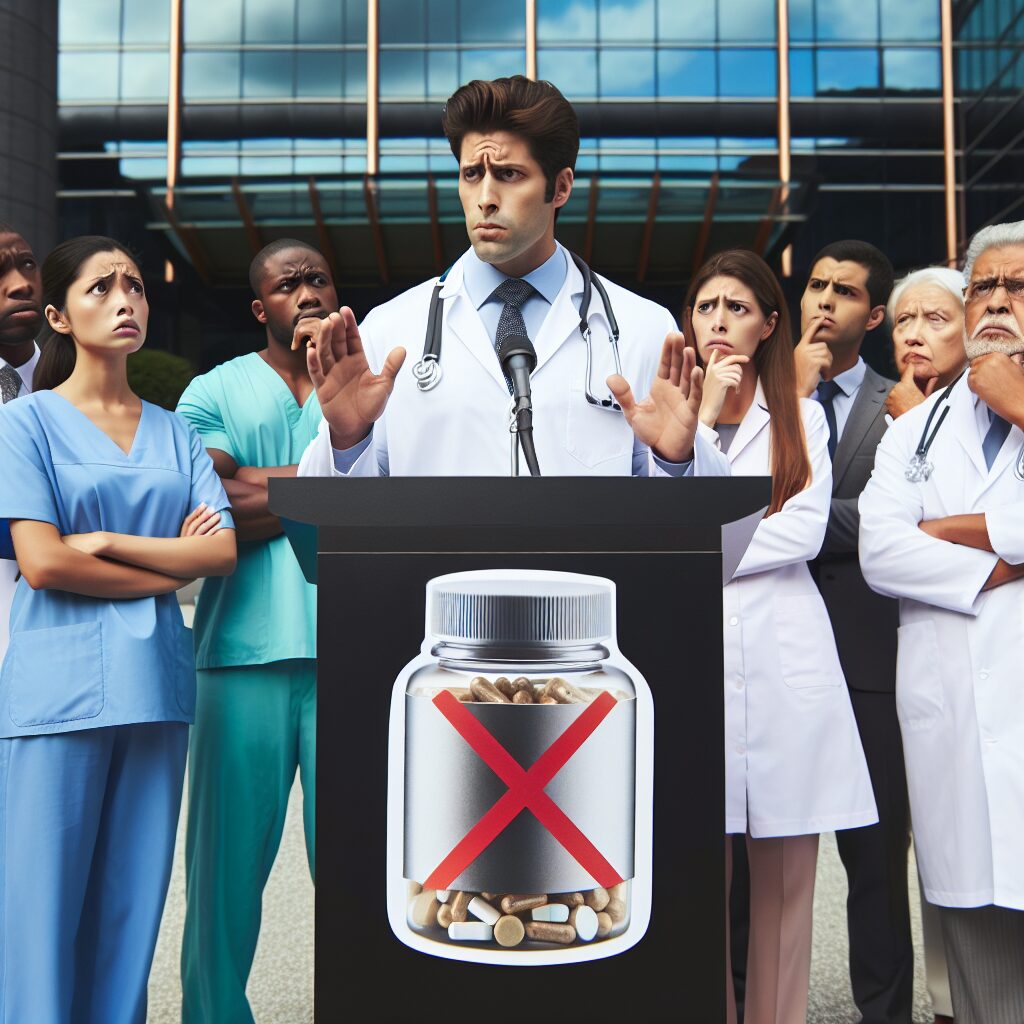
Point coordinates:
pixel 513 292
pixel 10 383
pixel 994 438
pixel 827 391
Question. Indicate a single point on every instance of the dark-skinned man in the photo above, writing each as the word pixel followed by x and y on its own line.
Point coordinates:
pixel 21 318
pixel 255 637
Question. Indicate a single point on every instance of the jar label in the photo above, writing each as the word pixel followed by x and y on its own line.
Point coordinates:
pixel 519 798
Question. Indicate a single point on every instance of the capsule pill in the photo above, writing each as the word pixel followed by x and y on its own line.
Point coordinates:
pixel 470 931
pixel 423 909
pixel 618 892
pixel 509 931
pixel 513 904
pixel 604 925
pixel 444 915
pixel 584 920
pixel 544 931
pixel 462 694
pixel 484 690
pixel 556 913
pixel 523 697
pixel 504 684
pixel 570 899
pixel 596 899
pixel 482 910
pixel 460 905
pixel 616 910
pixel 564 692
pixel 442 895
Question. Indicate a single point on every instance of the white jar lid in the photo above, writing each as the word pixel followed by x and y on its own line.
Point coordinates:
pixel 503 607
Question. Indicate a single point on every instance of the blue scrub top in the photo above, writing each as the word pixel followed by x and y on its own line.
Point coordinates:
pixel 78 662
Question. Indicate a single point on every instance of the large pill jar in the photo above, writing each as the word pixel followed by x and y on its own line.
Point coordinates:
pixel 520 775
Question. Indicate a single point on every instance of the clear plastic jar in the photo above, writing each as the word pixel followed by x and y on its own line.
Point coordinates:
pixel 519 797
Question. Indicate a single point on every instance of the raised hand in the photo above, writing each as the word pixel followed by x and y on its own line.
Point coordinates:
pixel 812 357
pixel 201 520
pixel 666 420
pixel 352 397
pixel 909 391
pixel 719 376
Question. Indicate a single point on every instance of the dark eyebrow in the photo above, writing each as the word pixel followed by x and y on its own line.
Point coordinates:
pixel 103 277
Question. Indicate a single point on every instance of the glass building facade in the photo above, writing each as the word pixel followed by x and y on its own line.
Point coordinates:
pixel 200 130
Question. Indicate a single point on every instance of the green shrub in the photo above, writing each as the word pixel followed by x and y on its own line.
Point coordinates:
pixel 159 377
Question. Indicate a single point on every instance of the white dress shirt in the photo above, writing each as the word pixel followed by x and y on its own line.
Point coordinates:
pixel 8 568
pixel 849 382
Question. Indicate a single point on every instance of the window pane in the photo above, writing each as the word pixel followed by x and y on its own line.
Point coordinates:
pixel 268 74
pixel 912 69
pixel 402 21
pixel 574 72
pixel 144 76
pixel 318 74
pixel 566 20
pixel 492 23
pixel 207 22
pixel 442 73
pixel 319 22
pixel 355 75
pixel 87 76
pixel 910 19
pixel 801 20
pixel 491 64
pixel 626 19
pixel 801 73
pixel 269 21
pixel 627 72
pixel 90 21
pixel 746 73
pixel 211 75
pixel 692 21
pixel 442 26
pixel 748 21
pixel 845 20
pixel 355 21
pixel 686 73
pixel 145 21
pixel 847 70
pixel 402 74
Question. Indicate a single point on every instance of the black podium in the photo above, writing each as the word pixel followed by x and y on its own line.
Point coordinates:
pixel 377 544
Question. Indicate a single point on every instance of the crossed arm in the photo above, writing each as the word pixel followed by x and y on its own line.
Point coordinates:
pixel 246 488
pixel 121 566
pixel 972 531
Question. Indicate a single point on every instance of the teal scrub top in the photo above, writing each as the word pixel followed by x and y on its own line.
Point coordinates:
pixel 78 662
pixel 266 611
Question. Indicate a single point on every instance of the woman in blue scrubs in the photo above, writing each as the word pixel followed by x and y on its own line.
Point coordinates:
pixel 114 505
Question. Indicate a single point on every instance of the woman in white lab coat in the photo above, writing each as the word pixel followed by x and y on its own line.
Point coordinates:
pixel 794 762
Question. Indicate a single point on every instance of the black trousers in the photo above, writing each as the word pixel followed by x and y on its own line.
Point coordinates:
pixel 875 858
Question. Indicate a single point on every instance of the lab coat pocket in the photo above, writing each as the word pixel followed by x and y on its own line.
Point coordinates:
pixel 919 699
pixel 55 675
pixel 595 435
pixel 184 661
pixel 807 648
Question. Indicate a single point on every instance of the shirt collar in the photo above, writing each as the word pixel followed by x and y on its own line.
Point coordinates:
pixel 850 380
pixel 27 369
pixel 482 278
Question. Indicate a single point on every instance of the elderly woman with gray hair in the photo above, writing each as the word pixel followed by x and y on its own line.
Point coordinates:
pixel 942 529
pixel 926 316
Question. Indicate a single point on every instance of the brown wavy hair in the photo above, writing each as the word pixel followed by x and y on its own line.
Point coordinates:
pixel 536 111
pixel 774 363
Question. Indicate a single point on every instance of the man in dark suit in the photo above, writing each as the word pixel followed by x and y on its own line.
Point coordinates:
pixel 845 298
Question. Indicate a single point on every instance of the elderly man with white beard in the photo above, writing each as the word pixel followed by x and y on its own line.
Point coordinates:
pixel 942 529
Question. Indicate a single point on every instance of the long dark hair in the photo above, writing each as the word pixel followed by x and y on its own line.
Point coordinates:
pixel 60 271
pixel 774 363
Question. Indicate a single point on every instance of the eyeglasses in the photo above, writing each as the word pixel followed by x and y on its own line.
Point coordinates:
pixel 977 291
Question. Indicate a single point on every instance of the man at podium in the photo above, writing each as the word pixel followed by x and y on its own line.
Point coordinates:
pixel 516 290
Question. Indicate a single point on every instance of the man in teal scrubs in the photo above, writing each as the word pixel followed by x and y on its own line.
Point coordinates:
pixel 255 637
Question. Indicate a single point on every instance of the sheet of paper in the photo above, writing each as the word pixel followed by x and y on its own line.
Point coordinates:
pixel 735 541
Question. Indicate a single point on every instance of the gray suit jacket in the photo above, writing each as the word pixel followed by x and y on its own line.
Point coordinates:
pixel 863 622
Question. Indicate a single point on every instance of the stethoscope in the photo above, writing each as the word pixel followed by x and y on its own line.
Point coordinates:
pixel 427 370
pixel 920 469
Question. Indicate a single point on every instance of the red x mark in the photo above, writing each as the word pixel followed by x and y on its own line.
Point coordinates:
pixel 525 789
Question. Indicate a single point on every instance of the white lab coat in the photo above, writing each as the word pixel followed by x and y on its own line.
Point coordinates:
pixel 960 669
pixel 794 764
pixel 461 426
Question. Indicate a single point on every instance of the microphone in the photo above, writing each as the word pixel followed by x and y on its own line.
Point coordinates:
pixel 518 359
